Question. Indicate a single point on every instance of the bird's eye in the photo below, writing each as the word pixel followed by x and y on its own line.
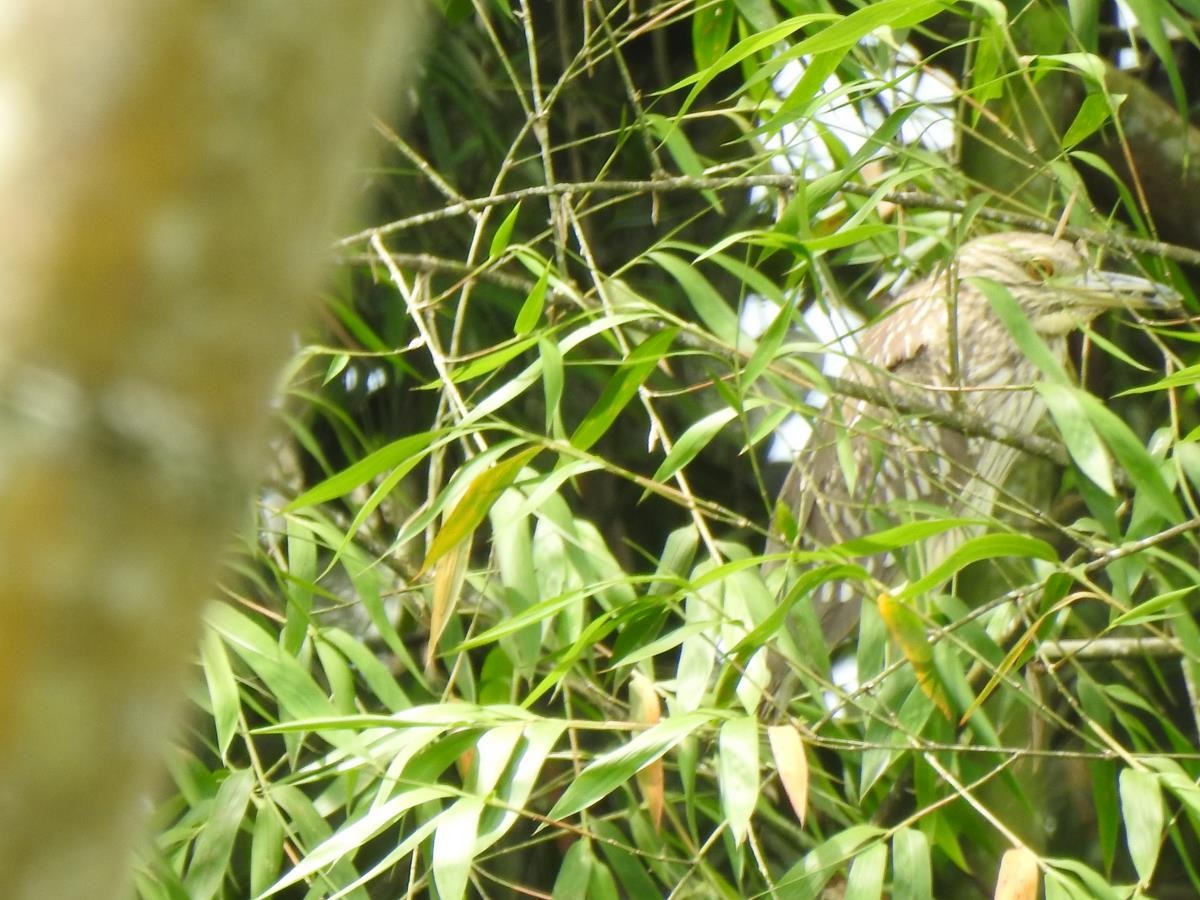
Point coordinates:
pixel 1040 268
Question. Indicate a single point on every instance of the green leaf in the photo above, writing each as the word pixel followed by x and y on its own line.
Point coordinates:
pixel 713 309
pixel 537 741
pixel 470 511
pixel 1185 377
pixel 214 846
pixel 552 384
pixel 289 683
pixel 768 345
pixel 986 546
pixel 504 232
pixel 406 452
pixel 1142 810
pixel 1030 343
pixel 811 874
pixel 622 388
pixel 1151 16
pixel 575 873
pixel 373 670
pixel 1094 111
pixel 492 359
pixel 692 441
pixel 1151 610
pixel 737 773
pixel 901 536
pixel 681 150
pixel 616 767
pixel 454 847
pixel 531 309
pixel 742 50
pixel 1080 437
pixel 912 873
pixel 1143 469
pixel 222 690
pixel 352 835
pixel 712 25
pixel 865 881
pixel 630 870
pixel 266 849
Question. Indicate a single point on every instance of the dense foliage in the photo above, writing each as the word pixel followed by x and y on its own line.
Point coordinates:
pixel 498 630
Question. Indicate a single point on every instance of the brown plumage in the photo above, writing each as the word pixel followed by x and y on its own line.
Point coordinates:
pixel 895 461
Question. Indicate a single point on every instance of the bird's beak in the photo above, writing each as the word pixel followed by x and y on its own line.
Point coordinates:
pixel 1116 289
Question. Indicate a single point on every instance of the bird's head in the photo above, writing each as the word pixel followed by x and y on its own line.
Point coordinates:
pixel 1053 281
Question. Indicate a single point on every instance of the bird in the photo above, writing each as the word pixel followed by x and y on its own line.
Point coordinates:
pixel 939 345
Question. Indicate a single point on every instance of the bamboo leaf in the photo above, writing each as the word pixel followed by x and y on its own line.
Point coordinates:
pixel 406 452
pixel 1142 810
pixel 791 762
pixel 473 507
pixel 531 309
pixel 737 773
pixel 1019 877
pixel 622 388
pixel 504 233
pixel 616 767
pixel 907 630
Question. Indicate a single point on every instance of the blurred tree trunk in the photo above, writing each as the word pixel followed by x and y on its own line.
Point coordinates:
pixel 168 174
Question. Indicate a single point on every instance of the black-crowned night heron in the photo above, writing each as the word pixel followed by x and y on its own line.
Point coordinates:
pixel 867 467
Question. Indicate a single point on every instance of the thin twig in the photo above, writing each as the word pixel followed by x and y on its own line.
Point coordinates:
pixel 919 199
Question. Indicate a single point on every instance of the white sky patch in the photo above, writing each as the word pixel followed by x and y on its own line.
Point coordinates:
pixel 834 328
pixel 1127 57
pixel 798 146
pixel 376 379
pixel 757 313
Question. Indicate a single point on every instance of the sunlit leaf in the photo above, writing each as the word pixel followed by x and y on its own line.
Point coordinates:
pixel 1019 877
pixel 618 766
pixel 504 232
pixel 791 762
pixel 907 629
pixel 737 773
pixel 474 504
pixel 622 387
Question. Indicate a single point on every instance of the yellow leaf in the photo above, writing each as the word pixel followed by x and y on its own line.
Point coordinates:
pixel 908 631
pixel 647 710
pixel 787 747
pixel 447 585
pixel 471 510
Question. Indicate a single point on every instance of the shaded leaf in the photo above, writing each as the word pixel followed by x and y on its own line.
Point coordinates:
pixel 1142 810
